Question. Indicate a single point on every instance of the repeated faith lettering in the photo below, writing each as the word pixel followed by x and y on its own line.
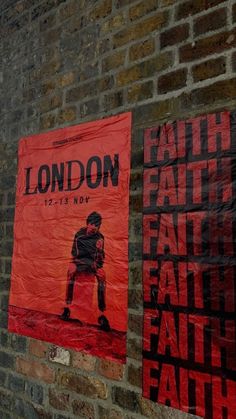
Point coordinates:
pixel 168 234
pixel 167 144
pixel 166 333
pixel 178 387
pixel 189 284
pixel 192 183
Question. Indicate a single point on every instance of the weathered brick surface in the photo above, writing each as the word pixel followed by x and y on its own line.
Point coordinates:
pixel 219 92
pixel 172 81
pixel 207 46
pixel 102 10
pixel 66 61
pixel 234 12
pixel 234 61
pixel 86 385
pixel 35 392
pixel 210 22
pixel 140 30
pixel 192 7
pixel 135 375
pixel 145 69
pixel 38 348
pixel 142 49
pixel 174 35
pixel 35 369
pixel 115 23
pixel 113 100
pixel 126 399
pixel 140 91
pixel 58 400
pixel 142 9
pixel 104 413
pixel 209 69
pixel 83 409
pixel 113 61
pixel 83 361
pixel 111 370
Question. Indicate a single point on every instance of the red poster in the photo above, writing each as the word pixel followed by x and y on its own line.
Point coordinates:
pixel 70 264
pixel 189 265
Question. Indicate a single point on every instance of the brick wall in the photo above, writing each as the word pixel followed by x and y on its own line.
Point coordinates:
pixel 68 61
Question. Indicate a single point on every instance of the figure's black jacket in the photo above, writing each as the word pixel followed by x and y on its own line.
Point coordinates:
pixel 88 251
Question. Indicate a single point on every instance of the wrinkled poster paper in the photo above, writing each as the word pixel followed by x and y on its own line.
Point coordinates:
pixel 189 265
pixel 69 276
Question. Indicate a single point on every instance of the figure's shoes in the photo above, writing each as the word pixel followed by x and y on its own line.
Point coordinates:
pixel 104 324
pixel 66 314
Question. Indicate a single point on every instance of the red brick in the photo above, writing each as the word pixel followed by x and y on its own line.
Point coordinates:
pixel 35 369
pixel 174 35
pixel 142 49
pixel 209 69
pixel 202 48
pixel 110 369
pixel 38 348
pixel 172 81
pixel 83 409
pixel 210 22
pixel 88 386
pixel 83 361
pixel 142 9
pixel 59 401
pixel 191 7
pixel 140 30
